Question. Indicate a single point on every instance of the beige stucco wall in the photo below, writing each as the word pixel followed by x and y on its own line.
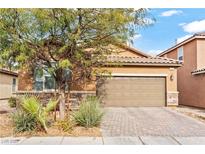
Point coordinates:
pixel 200 53
pixel 124 52
pixel 25 78
pixel 6 85
pixel 146 71
pixel 149 71
pixel 167 72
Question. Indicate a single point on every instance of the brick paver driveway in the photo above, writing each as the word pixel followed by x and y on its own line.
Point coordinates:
pixel 149 121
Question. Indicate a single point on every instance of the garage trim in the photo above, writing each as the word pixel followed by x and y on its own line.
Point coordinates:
pixel 135 74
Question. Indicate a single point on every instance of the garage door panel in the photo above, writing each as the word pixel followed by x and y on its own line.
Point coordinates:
pixel 133 91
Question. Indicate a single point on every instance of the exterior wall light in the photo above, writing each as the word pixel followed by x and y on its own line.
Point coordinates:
pixel 172 77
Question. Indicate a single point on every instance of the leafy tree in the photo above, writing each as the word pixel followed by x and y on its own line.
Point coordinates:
pixel 65 41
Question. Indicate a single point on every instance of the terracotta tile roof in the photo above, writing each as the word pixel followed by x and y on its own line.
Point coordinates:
pixel 5 71
pixel 199 71
pixel 124 60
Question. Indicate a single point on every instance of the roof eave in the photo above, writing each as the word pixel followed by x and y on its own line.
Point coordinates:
pixel 141 64
pixel 180 44
pixel 9 73
pixel 197 73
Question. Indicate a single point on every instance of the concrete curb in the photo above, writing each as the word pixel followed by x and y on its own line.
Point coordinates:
pixel 117 140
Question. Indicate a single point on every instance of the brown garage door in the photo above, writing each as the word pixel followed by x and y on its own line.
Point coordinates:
pixel 132 91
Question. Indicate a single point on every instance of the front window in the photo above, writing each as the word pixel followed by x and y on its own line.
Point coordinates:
pixel 43 80
pixel 14 85
pixel 49 82
pixel 180 54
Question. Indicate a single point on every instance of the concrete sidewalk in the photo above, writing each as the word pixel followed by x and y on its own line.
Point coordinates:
pixel 140 140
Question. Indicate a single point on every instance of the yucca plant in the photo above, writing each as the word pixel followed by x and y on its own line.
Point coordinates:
pixel 23 121
pixel 89 113
pixel 31 105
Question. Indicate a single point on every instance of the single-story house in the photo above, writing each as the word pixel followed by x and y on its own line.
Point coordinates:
pixel 139 80
pixel 8 83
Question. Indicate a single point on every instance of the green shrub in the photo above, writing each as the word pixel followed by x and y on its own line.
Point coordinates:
pixel 23 121
pixel 12 102
pixel 89 113
pixel 32 106
pixel 66 125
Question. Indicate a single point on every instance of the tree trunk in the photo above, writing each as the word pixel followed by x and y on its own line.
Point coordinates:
pixel 55 96
pixel 68 101
pixel 62 105
pixel 45 127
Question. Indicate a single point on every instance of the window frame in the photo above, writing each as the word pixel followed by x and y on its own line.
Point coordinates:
pixel 43 80
pixel 180 53
pixel 14 86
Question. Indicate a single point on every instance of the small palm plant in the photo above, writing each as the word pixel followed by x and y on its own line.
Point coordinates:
pixel 32 106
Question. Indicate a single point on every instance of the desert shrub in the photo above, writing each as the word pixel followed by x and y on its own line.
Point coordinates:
pixel 89 113
pixel 23 121
pixel 66 125
pixel 32 106
pixel 12 102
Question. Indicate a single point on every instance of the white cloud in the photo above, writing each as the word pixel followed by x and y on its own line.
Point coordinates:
pixel 171 13
pixel 183 38
pixel 146 21
pixel 137 36
pixel 149 21
pixel 133 38
pixel 195 26
pixel 154 52
pixel 182 24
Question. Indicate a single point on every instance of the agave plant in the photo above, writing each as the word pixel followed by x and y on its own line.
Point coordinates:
pixel 31 105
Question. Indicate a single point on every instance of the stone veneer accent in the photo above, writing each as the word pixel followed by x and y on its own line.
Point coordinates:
pixel 172 98
pixel 44 97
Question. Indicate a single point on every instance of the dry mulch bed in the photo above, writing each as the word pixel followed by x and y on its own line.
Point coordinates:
pixel 6 130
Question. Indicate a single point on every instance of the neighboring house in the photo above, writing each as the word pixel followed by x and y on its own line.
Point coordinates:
pixel 139 80
pixel 191 76
pixel 8 83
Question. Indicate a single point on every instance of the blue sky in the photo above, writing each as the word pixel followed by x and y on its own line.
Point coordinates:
pixel 170 25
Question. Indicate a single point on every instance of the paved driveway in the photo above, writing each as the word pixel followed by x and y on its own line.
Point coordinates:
pixel 149 121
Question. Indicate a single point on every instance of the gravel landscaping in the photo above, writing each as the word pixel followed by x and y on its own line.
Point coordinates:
pixel 6 128
pixel 31 118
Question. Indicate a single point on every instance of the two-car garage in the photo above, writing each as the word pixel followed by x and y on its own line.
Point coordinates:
pixel 133 91
pixel 134 79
